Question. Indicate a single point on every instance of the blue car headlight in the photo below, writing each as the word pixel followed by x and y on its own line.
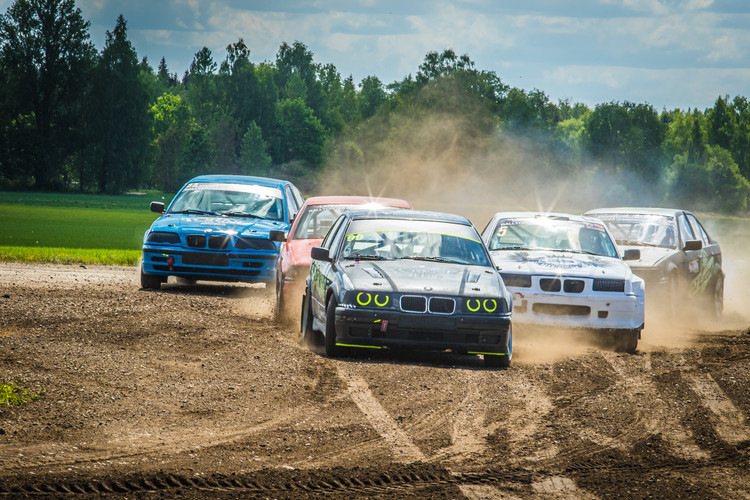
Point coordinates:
pixel 163 237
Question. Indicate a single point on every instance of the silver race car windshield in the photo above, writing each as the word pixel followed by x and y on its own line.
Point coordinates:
pixel 552 235
pixel 238 200
pixel 642 229
pixel 432 241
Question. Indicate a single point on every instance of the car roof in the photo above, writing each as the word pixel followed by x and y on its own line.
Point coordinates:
pixel 543 215
pixel 241 179
pixel 421 215
pixel 635 210
pixel 357 200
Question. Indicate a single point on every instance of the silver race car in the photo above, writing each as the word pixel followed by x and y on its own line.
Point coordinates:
pixel 679 261
pixel 407 279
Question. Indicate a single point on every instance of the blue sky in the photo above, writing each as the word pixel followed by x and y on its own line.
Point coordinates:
pixel 668 53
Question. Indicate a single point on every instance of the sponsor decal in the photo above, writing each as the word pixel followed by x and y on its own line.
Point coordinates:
pixel 271 192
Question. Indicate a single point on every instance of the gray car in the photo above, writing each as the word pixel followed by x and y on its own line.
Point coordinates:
pixel 407 279
pixel 680 262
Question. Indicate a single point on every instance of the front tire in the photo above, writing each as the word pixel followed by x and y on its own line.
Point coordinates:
pixel 306 321
pixel 497 360
pixel 718 298
pixel 332 350
pixel 279 309
pixel 626 341
pixel 150 281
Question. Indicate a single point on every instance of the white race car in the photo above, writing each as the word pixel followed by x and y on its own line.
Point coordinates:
pixel 566 270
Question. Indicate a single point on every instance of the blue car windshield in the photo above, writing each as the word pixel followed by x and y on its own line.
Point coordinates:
pixel 241 200
pixel 552 235
pixel 433 241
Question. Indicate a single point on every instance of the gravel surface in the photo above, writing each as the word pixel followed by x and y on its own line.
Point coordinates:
pixel 195 391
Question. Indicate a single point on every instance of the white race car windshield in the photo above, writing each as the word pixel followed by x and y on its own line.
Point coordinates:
pixel 554 235
pixel 230 199
pixel 642 229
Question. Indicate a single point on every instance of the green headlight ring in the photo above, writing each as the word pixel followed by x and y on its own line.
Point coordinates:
pixel 482 304
pixel 359 298
pixel 377 302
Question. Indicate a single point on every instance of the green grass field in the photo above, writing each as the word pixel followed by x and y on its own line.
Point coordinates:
pixel 74 228
pixel 68 228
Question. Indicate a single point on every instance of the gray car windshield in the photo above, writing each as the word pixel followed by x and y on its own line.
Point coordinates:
pixel 431 241
pixel 642 229
pixel 231 200
pixel 552 235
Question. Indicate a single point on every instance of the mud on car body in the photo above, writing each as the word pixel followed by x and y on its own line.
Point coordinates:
pixel 566 271
pixel 219 228
pixel 404 278
pixel 678 260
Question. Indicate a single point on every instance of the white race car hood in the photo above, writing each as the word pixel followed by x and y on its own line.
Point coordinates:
pixel 544 262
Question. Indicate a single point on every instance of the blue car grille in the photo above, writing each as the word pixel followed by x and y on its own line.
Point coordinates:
pixel 218 242
pixel 196 240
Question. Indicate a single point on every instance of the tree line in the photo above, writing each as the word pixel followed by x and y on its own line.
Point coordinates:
pixel 74 118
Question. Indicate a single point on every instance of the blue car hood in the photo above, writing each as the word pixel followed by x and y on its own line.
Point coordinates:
pixel 241 226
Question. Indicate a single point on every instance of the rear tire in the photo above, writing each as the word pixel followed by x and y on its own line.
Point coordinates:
pixel 332 350
pixel 150 281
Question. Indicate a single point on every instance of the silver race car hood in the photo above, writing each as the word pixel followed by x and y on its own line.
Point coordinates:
pixel 410 276
pixel 542 262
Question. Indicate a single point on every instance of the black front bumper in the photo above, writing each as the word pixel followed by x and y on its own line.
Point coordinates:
pixel 470 333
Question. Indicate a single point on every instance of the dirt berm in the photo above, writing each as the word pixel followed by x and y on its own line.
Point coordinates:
pixel 194 391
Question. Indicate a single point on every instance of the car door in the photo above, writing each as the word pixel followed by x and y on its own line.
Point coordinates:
pixel 321 272
pixel 691 265
pixel 710 258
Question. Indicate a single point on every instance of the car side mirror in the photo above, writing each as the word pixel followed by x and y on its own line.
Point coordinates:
pixel 276 235
pixel 320 253
pixel 693 245
pixel 632 254
pixel 157 206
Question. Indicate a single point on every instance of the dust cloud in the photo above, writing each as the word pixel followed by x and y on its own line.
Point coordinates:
pixel 468 165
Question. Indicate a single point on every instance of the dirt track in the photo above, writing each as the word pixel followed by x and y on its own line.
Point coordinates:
pixel 194 391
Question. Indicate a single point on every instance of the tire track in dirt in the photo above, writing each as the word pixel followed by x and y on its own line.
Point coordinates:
pixel 140 444
pixel 464 441
pixel 468 434
pixel 728 421
pixel 404 450
pixel 653 413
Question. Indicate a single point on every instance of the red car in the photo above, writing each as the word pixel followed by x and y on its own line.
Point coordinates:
pixel 308 229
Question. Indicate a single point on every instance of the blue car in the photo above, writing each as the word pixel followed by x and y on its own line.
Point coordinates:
pixel 220 228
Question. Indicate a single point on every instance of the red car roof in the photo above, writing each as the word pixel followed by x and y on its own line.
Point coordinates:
pixel 357 200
